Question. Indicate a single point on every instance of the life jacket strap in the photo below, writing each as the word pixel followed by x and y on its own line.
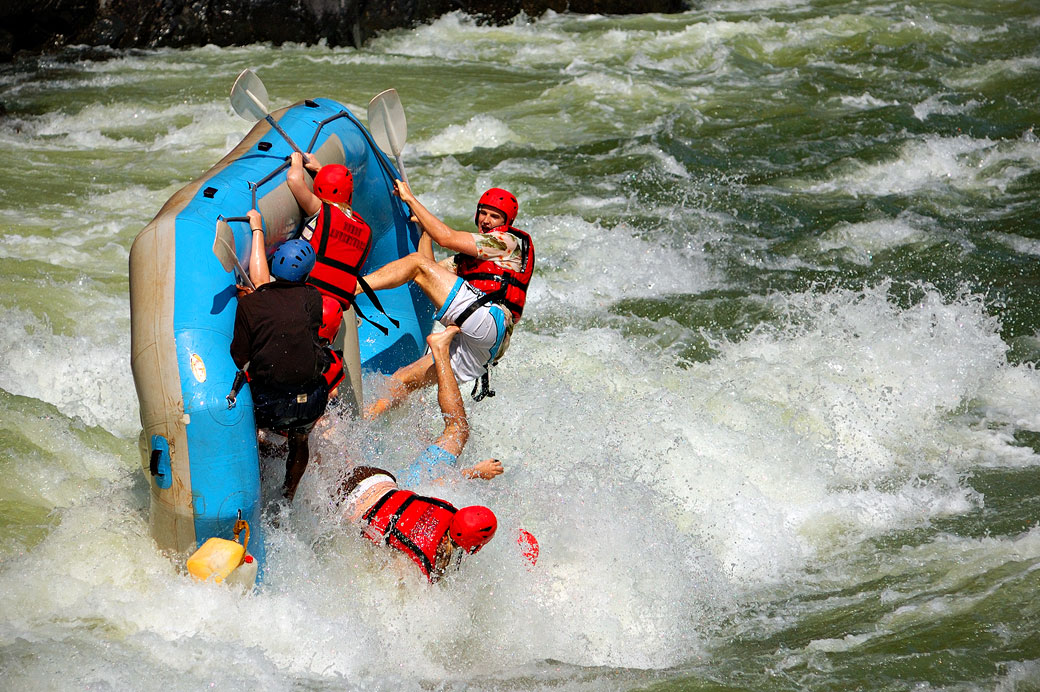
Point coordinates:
pixel 504 281
pixel 412 548
pixel 375 301
pixel 374 509
pixel 485 386
pixel 392 532
pixel 348 298
pixel 392 526
pixel 476 305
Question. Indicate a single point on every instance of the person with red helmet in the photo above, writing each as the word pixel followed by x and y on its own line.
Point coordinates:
pixel 340 237
pixel 431 532
pixel 482 289
pixel 331 318
pixel 331 321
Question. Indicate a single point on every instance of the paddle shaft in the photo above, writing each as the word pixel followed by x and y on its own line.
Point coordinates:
pixel 262 107
pixel 400 166
pixel 285 135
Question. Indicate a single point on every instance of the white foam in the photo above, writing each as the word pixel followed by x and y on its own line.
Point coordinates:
pixel 935 163
pixel 775 450
pixel 84 374
pixel 859 242
pixel 588 273
pixel 865 101
pixel 937 104
pixel 1020 244
pixel 479 131
pixel 978 76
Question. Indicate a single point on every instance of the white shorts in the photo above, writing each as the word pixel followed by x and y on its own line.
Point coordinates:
pixel 484 334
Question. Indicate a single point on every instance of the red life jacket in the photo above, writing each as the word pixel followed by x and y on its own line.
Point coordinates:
pixel 334 373
pixel 501 285
pixel 341 244
pixel 411 523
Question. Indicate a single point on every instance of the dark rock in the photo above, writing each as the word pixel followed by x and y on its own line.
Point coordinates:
pixel 6 45
pixel 35 26
pixel 104 31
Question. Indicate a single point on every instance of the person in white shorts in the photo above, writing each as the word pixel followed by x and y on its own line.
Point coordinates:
pixel 486 320
pixel 483 337
pixel 484 334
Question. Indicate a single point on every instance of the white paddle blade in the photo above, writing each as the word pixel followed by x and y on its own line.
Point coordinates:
pixel 224 246
pixel 386 121
pixel 224 249
pixel 249 96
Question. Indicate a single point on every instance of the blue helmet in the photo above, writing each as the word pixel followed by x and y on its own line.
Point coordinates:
pixel 293 260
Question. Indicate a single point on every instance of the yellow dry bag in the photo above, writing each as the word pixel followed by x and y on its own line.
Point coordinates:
pixel 219 557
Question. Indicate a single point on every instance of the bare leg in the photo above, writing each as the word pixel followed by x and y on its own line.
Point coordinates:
pixel 435 280
pixel 296 463
pixel 406 380
pixel 456 427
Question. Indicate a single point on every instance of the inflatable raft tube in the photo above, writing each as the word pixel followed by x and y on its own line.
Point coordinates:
pixel 199 455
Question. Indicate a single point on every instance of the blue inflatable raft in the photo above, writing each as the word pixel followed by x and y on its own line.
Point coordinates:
pixel 199 455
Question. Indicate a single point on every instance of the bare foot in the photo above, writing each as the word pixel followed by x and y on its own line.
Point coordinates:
pixel 487 469
pixel 440 341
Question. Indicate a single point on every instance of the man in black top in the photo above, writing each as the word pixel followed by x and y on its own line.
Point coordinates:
pixel 276 343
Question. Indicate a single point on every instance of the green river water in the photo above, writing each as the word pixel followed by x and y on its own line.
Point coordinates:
pixel 772 411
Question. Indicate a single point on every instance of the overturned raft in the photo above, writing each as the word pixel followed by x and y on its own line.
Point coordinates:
pixel 199 455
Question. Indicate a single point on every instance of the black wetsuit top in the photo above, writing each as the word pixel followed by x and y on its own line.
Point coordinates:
pixel 276 332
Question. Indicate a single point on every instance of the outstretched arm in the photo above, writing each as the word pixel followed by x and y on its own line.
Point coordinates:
pixel 444 235
pixel 296 179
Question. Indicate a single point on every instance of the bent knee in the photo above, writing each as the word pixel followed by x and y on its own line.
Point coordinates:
pixel 424 263
pixel 418 258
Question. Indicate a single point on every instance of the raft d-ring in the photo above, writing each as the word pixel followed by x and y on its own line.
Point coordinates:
pixel 241 525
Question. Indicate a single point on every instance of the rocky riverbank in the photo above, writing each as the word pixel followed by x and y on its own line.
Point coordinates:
pixel 35 26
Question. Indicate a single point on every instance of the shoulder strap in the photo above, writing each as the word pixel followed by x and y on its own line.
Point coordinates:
pixel 326 223
pixel 476 305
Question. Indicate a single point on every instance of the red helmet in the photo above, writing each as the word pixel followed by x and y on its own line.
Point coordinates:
pixel 331 318
pixel 334 184
pixel 502 200
pixel 472 527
